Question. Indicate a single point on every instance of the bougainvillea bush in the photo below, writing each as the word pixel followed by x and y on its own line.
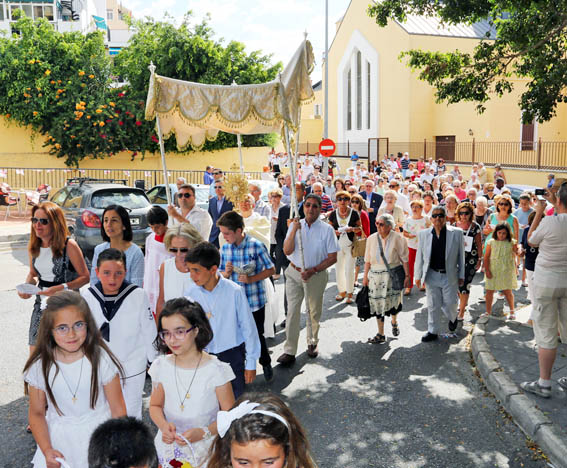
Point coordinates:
pixel 64 85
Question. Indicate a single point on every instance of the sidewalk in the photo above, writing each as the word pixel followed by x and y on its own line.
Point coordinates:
pixel 506 355
pixel 14 229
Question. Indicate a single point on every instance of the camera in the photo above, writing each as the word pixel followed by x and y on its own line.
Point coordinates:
pixel 540 192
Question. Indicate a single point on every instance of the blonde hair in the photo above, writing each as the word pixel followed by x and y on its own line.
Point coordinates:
pixel 391 192
pixel 184 230
pixel 276 192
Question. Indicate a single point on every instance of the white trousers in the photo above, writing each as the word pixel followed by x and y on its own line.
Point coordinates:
pixel 441 297
pixel 344 269
pixel 133 389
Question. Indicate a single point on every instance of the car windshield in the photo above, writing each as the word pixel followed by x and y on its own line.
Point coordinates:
pixel 130 199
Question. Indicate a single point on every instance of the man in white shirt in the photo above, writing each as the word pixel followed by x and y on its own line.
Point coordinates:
pixel 306 169
pixel 427 176
pixel 189 212
pixel 260 205
pixel 321 253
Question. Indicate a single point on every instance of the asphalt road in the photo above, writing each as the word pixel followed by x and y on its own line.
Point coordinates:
pixel 401 404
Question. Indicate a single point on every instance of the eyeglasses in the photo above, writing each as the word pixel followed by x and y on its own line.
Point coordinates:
pixel 185 195
pixel 218 186
pixel 504 204
pixel 355 201
pixel 63 330
pixel 394 186
pixel 182 250
pixel 42 221
pixel 343 199
pixel 380 224
pixel 438 215
pixel 490 190
pixel 352 192
pixel 178 333
pixel 217 173
pixel 465 213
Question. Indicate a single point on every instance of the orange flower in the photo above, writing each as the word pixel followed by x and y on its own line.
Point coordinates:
pixel 98 111
pixel 35 113
pixel 81 73
pixel 8 116
pixel 78 145
pixel 112 104
pixel 83 103
pixel 57 145
pixel 47 72
pixel 88 117
pixel 73 137
pixel 52 81
pixel 101 124
pixel 91 76
pixel 31 62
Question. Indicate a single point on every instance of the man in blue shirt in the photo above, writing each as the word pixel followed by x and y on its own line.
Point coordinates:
pixel 235 339
pixel 207 176
pixel 354 159
pixel 246 261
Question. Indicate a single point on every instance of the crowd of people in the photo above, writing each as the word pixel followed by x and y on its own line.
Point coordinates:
pixel 194 309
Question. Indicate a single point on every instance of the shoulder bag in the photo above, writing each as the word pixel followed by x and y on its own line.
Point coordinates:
pixel 397 274
pixel 359 245
pixel 363 304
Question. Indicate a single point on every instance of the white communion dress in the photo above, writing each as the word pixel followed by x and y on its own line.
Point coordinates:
pixel 199 410
pixel 70 432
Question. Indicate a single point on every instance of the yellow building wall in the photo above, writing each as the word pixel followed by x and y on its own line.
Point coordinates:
pixel 20 147
pixel 407 107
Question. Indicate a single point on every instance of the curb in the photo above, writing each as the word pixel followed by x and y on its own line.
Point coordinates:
pixel 15 238
pixel 524 411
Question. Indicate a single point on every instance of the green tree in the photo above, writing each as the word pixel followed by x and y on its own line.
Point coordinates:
pixel 190 53
pixel 530 42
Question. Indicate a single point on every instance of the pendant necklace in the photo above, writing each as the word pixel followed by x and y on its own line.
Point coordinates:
pixel 74 399
pixel 186 395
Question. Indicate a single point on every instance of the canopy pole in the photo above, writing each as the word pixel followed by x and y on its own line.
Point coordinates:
pixel 152 69
pixel 239 141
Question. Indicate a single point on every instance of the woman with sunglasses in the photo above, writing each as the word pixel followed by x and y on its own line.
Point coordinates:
pixel 116 231
pixel 174 277
pixel 346 223
pixel 473 249
pixel 56 261
pixel 503 215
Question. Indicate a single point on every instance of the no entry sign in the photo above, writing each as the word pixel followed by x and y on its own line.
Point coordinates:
pixel 327 147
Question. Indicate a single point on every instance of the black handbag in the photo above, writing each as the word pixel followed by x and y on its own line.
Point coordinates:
pixel 397 274
pixel 363 304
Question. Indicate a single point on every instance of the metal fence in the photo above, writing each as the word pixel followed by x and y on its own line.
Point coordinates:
pixel 31 178
pixel 546 155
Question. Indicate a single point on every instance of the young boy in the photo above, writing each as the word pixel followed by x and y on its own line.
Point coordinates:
pixel 235 339
pixel 156 253
pixel 122 443
pixel 122 312
pixel 239 252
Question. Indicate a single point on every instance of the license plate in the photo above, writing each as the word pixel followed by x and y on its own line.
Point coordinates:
pixel 135 221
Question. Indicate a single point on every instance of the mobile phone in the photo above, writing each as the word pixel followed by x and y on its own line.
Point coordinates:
pixel 540 191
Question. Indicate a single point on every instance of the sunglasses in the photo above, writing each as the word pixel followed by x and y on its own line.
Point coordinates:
pixel 217 173
pixel 185 195
pixel 182 250
pixel 343 199
pixel 355 201
pixel 42 221
pixel 504 204
pixel 465 213
pixel 438 215
pixel 218 186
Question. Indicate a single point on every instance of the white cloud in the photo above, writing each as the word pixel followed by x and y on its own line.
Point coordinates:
pixel 272 26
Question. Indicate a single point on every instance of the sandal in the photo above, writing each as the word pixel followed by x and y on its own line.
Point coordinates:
pixel 378 339
pixel 395 329
pixel 407 292
pixel 349 299
pixel 28 429
pixel 340 296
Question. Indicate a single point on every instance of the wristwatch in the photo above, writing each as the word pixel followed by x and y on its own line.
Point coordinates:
pixel 65 287
pixel 206 431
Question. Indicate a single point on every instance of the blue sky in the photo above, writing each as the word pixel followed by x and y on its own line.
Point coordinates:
pixel 272 26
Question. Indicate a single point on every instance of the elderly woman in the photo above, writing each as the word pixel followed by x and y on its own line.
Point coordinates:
pixel 451 204
pixel 550 311
pixel 417 222
pixel 384 300
pixel 389 206
pixel 174 277
pixel 473 250
pixel 275 205
pixel 346 222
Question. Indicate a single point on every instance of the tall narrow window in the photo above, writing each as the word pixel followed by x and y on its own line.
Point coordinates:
pixel 109 15
pixel 358 91
pixel 368 95
pixel 1 11
pixel 349 101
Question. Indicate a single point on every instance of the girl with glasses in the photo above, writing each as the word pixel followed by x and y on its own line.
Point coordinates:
pixel 174 277
pixel 73 382
pixel 473 249
pixel 123 315
pixel 189 386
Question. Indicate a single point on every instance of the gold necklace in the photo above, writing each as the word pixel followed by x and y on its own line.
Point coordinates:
pixel 187 395
pixel 74 394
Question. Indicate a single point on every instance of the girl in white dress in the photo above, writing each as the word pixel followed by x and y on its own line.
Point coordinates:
pixel 73 381
pixel 189 386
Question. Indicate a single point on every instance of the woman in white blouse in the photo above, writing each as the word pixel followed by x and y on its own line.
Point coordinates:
pixel 384 300
pixel 389 207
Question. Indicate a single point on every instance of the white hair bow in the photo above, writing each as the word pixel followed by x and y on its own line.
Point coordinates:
pixel 225 418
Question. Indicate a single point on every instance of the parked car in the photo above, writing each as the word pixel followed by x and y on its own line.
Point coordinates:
pixel 157 195
pixel 266 186
pixel 83 201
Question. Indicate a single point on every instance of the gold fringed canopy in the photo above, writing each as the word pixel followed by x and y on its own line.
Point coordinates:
pixel 196 112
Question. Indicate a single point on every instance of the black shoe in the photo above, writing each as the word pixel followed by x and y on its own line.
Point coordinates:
pixel 429 337
pixel 286 359
pixel 268 373
pixel 453 325
pixel 312 351
pixel 282 324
